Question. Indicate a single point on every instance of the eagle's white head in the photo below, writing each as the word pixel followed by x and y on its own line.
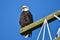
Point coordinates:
pixel 25 8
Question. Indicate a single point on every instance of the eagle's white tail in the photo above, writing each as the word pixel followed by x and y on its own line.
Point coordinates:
pixel 27 36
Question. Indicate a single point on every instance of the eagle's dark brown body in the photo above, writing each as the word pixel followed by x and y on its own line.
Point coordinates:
pixel 26 19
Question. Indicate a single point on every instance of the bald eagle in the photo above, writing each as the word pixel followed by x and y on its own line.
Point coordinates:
pixel 26 18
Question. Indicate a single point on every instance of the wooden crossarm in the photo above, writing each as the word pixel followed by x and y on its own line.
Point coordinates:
pixel 39 23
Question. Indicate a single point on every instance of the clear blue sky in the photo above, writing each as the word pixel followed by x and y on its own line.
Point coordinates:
pixel 10 11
